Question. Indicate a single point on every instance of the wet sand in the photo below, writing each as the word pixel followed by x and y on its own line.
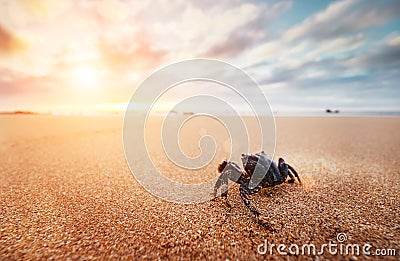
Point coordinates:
pixel 67 193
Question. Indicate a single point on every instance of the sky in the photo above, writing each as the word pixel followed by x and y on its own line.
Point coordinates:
pixel 305 55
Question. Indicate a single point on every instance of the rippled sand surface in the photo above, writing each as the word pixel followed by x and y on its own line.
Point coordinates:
pixel 67 193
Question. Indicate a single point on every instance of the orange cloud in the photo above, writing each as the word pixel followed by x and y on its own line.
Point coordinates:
pixel 10 43
pixel 45 8
pixel 139 57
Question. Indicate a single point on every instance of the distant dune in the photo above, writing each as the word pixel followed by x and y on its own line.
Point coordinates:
pixel 18 113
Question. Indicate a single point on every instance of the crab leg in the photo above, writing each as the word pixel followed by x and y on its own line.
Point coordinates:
pixel 245 192
pixel 294 172
pixel 222 181
pixel 229 171
pixel 291 180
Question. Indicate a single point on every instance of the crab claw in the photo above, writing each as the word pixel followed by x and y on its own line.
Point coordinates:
pixel 222 166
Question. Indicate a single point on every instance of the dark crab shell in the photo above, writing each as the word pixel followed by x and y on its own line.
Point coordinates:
pixel 261 164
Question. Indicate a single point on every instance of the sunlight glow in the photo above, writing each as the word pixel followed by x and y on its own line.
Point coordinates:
pixel 86 77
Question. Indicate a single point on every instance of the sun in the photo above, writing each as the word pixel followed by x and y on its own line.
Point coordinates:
pixel 86 76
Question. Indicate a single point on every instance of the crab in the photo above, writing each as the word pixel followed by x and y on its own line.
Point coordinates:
pixel 261 165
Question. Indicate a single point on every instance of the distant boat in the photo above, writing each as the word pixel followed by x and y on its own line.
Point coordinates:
pixel 331 111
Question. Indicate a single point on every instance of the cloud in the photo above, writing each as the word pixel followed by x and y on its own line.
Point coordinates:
pixel 332 50
pixel 45 8
pixel 249 33
pixel 113 10
pixel 385 56
pixel 365 79
pixel 393 39
pixel 11 84
pixel 223 29
pixel 130 55
pixel 344 18
pixel 24 12
pixel 338 45
pixel 9 42
pixel 233 45
pixel 295 53
pixel 331 45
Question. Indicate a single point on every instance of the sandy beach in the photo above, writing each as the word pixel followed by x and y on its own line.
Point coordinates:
pixel 67 193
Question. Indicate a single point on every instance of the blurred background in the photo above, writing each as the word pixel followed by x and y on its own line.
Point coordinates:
pixel 84 57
